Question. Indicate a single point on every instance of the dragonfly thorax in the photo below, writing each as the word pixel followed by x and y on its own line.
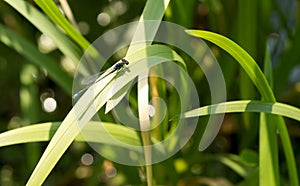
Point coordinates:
pixel 121 64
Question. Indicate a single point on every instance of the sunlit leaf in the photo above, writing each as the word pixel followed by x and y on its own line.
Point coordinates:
pixel 90 102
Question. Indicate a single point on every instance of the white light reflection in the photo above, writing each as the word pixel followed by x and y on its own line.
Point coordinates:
pixel 68 65
pixel 151 110
pixel 46 44
pixel 103 19
pixel 87 159
pixel 49 104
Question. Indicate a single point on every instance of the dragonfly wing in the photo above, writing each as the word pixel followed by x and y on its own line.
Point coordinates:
pixel 96 77
pixel 90 79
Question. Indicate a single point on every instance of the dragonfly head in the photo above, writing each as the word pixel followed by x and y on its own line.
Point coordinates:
pixel 125 62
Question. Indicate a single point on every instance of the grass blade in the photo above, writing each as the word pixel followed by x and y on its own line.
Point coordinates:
pixel 247 38
pixel 55 15
pixel 45 131
pixel 261 83
pixel 244 59
pixel 246 106
pixel 83 110
pixel 268 147
pixel 45 26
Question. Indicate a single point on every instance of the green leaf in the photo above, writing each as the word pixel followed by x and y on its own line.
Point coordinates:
pixel 249 157
pixel 244 59
pixel 261 83
pixel 45 131
pixel 41 22
pixel 246 106
pixel 90 102
pixel 268 147
pixel 268 70
pixel 268 151
pixel 154 10
pixel 29 51
pixel 56 16
pixel 247 39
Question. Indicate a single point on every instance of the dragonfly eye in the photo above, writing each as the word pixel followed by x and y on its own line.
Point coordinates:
pixel 124 61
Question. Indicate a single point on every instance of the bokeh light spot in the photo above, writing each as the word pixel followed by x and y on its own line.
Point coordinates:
pixel 49 104
pixel 87 159
pixel 103 19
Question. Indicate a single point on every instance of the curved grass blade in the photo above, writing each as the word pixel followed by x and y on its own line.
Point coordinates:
pixel 56 16
pixel 42 23
pixel 260 81
pixel 246 106
pixel 45 131
pixel 244 59
pixel 82 112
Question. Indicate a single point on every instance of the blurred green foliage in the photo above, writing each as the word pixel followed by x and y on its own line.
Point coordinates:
pixel 252 24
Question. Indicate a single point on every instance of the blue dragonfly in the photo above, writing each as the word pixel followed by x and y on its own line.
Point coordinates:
pixel 90 80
